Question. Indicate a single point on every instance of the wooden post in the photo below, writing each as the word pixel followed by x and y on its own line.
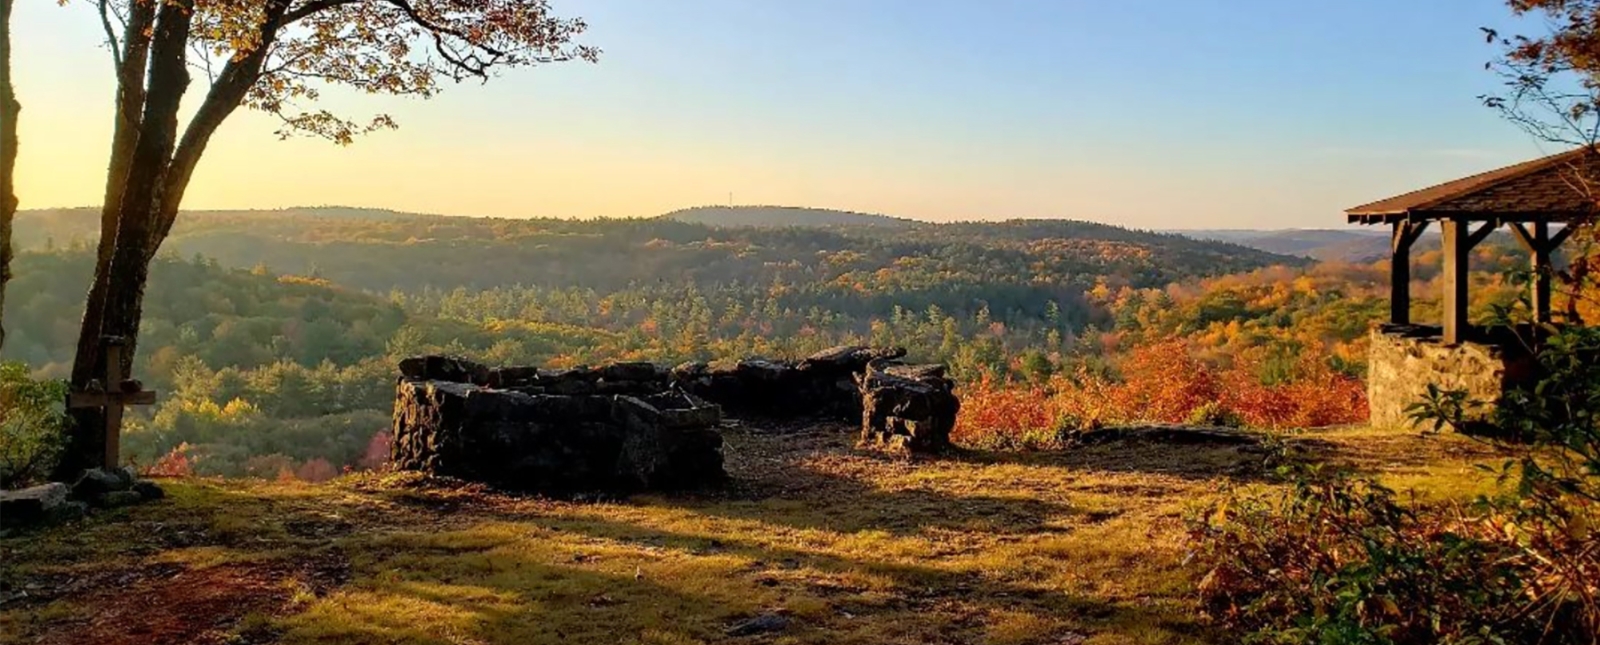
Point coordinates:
pixel 1405 234
pixel 1540 298
pixel 114 393
pixel 1457 254
pixel 1540 244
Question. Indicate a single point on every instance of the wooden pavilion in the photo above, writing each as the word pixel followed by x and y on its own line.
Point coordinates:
pixel 1531 198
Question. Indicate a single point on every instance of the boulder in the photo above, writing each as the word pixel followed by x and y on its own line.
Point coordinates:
pixel 119 498
pixel 39 504
pixel 914 414
pixel 632 372
pixel 849 359
pixel 690 370
pixel 514 376
pixel 820 386
pixel 95 482
pixel 916 372
pixel 148 490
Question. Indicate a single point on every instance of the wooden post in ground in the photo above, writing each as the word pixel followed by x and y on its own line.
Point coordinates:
pixel 114 393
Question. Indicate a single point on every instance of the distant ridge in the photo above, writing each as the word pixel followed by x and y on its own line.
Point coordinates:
pixel 783 216
pixel 1350 245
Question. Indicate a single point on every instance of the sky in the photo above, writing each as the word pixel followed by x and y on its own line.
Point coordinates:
pixel 1143 113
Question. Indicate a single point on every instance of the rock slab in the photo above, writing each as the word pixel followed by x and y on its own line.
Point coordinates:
pixel 43 504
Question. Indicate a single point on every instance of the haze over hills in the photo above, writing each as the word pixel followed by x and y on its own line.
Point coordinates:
pixel 382 250
pixel 781 216
pixel 1349 244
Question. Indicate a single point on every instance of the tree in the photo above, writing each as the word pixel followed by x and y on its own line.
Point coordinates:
pixel 273 56
pixel 9 110
pixel 1552 91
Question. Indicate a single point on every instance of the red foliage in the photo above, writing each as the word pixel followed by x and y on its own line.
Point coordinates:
pixel 990 407
pixel 1162 383
pixel 316 470
pixel 176 463
pixel 376 456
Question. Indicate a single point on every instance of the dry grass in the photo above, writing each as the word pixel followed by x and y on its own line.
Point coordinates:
pixel 1019 548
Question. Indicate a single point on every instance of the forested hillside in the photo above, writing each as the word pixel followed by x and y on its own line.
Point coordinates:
pixel 273 334
pixel 407 252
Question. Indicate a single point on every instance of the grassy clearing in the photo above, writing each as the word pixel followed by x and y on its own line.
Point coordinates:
pixel 1004 548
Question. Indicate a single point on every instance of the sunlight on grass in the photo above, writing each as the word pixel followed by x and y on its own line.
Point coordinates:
pixel 994 548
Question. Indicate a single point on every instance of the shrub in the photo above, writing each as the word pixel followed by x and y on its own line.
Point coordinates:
pixel 1163 383
pixel 32 415
pixel 1212 413
pixel 1341 560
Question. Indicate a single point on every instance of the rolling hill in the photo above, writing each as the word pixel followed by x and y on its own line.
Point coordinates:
pixel 1352 244
pixel 783 216
pixel 407 252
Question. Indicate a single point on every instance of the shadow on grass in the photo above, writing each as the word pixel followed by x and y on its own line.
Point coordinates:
pixel 525 571
pixel 1199 461
pixel 696 588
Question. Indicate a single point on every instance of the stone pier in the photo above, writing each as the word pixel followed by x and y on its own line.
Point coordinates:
pixel 1405 359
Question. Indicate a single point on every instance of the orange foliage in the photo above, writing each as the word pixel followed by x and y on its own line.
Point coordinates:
pixel 1158 383
pixel 177 463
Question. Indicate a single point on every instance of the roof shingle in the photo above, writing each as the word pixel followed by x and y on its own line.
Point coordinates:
pixel 1553 187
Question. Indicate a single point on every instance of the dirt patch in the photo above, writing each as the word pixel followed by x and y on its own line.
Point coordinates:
pixel 197 605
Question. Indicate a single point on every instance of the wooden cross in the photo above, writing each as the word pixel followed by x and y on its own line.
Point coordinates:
pixel 112 396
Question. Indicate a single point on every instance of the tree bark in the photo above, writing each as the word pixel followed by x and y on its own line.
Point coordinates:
pixel 135 57
pixel 149 171
pixel 116 298
pixel 9 110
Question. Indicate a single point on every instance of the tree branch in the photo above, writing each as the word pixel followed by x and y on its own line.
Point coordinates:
pixel 227 92
pixel 313 7
pixel 111 34
pixel 469 63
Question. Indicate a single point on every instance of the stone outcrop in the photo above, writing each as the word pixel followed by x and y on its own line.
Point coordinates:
pixel 909 408
pixel 1404 361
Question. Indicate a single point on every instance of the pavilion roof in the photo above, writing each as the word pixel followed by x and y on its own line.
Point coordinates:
pixel 1552 188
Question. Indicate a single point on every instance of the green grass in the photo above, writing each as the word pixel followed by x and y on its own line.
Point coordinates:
pixel 1084 546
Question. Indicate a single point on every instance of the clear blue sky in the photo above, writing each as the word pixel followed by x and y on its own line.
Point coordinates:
pixel 1149 113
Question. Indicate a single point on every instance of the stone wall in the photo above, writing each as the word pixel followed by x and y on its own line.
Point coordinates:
pixel 1404 360
pixel 822 385
pixel 910 408
pixel 556 443
pixel 635 426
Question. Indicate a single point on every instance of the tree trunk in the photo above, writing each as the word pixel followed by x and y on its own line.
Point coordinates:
pixel 135 186
pixel 149 172
pixel 125 134
pixel 9 109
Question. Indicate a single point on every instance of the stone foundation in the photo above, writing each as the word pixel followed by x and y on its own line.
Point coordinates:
pixel 638 426
pixel 1404 360
pixel 526 438
pixel 822 385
